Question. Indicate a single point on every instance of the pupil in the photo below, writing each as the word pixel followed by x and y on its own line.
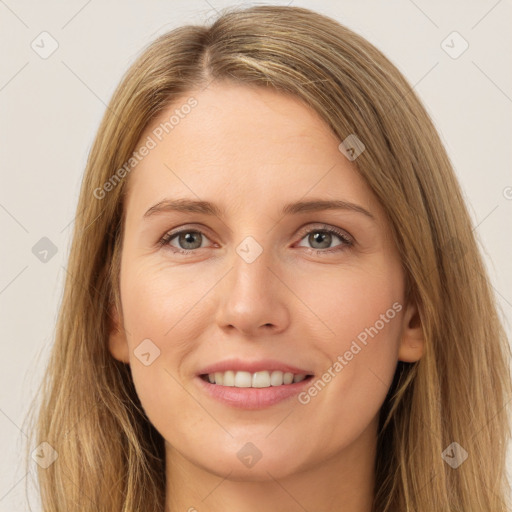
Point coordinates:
pixel 189 238
pixel 321 238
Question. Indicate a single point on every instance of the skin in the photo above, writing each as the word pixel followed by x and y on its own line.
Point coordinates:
pixel 250 151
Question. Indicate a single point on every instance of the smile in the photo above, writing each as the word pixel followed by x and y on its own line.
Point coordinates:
pixel 261 379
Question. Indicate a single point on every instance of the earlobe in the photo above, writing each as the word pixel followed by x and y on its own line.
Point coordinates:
pixel 412 344
pixel 117 341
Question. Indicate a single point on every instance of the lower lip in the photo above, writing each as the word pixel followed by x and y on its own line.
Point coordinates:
pixel 252 398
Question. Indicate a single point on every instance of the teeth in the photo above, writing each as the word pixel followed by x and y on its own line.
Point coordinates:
pixel 276 378
pixel 263 379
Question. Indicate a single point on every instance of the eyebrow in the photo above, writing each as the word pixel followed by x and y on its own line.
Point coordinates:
pixel 208 208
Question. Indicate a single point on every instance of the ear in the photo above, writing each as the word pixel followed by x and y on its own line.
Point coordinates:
pixel 117 341
pixel 412 344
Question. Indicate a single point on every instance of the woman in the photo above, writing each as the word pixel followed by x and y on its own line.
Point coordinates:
pixel 209 355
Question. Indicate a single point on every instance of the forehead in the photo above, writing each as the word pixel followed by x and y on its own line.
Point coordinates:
pixel 242 144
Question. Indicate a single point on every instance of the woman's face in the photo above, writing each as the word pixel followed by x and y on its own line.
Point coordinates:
pixel 263 290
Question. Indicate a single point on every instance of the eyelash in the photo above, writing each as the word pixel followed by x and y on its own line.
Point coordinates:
pixel 347 241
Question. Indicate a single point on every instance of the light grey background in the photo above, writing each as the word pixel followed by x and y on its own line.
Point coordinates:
pixel 51 108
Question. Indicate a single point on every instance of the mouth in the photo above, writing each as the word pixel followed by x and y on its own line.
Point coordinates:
pixel 260 379
pixel 252 391
pixel 252 384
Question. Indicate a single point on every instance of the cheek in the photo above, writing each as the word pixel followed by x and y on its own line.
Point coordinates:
pixel 349 302
pixel 154 310
pixel 361 315
pixel 168 305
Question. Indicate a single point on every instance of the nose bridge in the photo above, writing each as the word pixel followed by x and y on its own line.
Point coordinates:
pixel 250 296
pixel 250 275
pixel 251 266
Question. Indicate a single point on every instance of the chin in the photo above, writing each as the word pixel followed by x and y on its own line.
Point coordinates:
pixel 261 461
pixel 262 471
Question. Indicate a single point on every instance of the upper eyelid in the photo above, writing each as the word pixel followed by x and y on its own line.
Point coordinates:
pixel 324 227
pixel 171 233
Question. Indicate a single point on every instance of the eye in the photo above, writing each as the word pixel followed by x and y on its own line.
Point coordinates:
pixel 322 238
pixel 187 240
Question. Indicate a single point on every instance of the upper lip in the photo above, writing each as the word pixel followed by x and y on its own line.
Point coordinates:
pixel 252 366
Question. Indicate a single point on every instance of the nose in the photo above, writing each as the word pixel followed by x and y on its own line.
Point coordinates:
pixel 252 299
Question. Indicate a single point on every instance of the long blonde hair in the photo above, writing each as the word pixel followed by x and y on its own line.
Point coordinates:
pixel 110 457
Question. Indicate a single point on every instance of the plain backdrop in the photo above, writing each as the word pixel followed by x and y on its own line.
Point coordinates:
pixel 51 107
